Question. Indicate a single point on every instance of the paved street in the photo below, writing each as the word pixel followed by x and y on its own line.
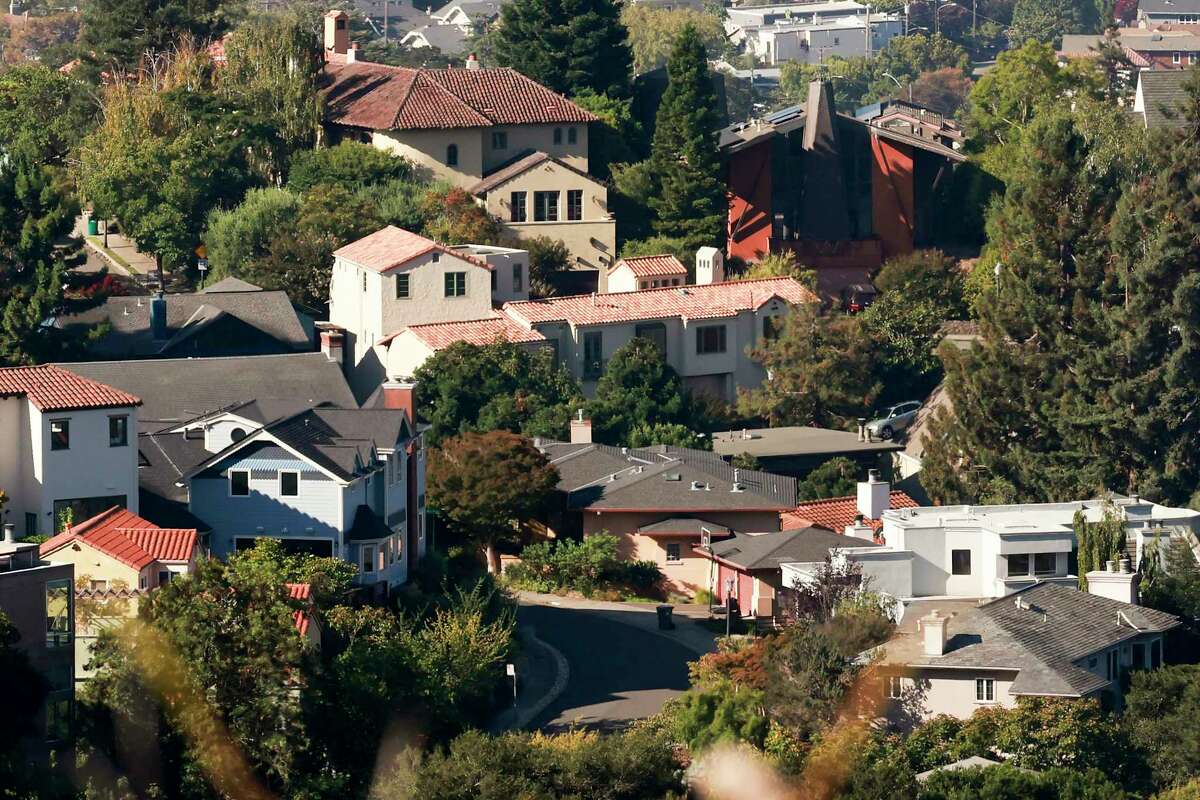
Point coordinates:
pixel 619 671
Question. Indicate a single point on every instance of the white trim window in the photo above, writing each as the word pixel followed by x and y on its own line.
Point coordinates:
pixel 985 690
pixel 368 559
pixel 1177 57
pixel 894 687
pixel 674 553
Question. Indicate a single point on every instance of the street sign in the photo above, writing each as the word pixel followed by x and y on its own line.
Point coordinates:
pixel 202 264
pixel 201 251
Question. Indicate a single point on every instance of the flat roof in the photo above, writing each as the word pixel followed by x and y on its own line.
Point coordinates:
pixel 1036 517
pixel 796 441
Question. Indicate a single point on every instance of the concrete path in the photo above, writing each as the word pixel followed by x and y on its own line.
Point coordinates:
pixel 121 254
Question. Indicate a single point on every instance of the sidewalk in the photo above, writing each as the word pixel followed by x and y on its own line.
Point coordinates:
pixel 640 615
pixel 122 253
pixel 542 674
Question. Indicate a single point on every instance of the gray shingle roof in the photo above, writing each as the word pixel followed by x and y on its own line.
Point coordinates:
pixel 684 525
pixel 1054 627
pixel 768 550
pixel 175 390
pixel 1169 6
pixel 341 439
pixel 448 39
pixel 1163 96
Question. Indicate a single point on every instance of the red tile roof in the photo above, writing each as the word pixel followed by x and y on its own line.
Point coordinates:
pixel 302 618
pixel 836 513
pixel 650 266
pixel 391 248
pixel 128 538
pixel 381 97
pixel 710 301
pixel 440 335
pixel 52 388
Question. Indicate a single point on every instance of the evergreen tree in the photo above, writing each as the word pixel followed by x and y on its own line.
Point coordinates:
pixel 689 201
pixel 571 46
pixel 638 388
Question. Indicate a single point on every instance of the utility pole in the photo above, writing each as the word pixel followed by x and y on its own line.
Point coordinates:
pixel 385 21
pixel 868 28
pixel 974 3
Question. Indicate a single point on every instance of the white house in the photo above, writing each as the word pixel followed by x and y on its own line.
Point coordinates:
pixel 392 278
pixel 646 272
pixel 814 42
pixel 408 348
pixel 335 482
pixel 70 447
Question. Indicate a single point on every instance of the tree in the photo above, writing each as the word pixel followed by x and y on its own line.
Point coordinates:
pixel 1004 782
pixel 1158 705
pixel 944 90
pixel 1047 21
pixel 500 386
pixel 116 34
pixel 1098 542
pixel 243 234
pixel 349 164
pixel 637 387
pixel 719 713
pixel 487 484
pixel 547 258
pixel 782 265
pixel 616 138
pixel 42 108
pixel 690 199
pixel 820 372
pixel 836 477
pixel 653 32
pixel 452 216
pixel 906 332
pixel 925 275
pixel 568 45
pixel 667 433
pixel 807 679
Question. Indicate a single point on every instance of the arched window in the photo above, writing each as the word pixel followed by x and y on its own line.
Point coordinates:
pixel 452 155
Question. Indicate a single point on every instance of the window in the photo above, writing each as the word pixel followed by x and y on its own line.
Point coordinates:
pixel 1156 654
pixel 673 556
pixel 98 586
pixel 960 562
pixel 435 257
pixel 364 281
pixel 118 431
pixel 341 25
pixel 58 613
pixel 237 434
pixel 368 558
pixel 710 339
pixel 545 206
pixel 558 135
pixel 517 210
pixel 456 284
pixel 499 140
pixel 239 483
pixel 593 348
pixel 58 719
pixel 572 136
pixel 895 687
pixel 1018 564
pixel 1176 57
pixel 1113 665
pixel 60 434
pixel 164 577
pixel 518 277
pixel 451 155
pixel 289 484
pixel 575 204
pixel 31 526
pixel 493 280
pixel 1191 58
pixel 1139 656
pixel 985 690
pixel 403 287
pixel 655 332
pixel 1045 563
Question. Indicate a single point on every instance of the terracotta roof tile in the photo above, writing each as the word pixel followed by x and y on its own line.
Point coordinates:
pixel 391 248
pixel 649 266
pixel 52 388
pixel 440 335
pixel 711 301
pixel 836 513
pixel 302 618
pixel 128 538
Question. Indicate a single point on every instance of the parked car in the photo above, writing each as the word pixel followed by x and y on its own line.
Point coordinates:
pixel 894 419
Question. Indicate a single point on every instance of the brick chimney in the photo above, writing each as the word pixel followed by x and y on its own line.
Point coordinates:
pixel 933 633
pixel 1117 582
pixel 401 394
pixel 337 33
pixel 333 343
pixel 874 496
pixel 581 429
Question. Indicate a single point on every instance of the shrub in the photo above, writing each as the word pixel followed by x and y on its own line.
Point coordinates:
pixel 350 165
pixel 588 566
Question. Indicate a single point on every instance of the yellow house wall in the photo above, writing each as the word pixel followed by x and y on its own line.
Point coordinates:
pixel 427 151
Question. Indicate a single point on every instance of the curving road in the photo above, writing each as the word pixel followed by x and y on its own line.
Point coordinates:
pixel 618 672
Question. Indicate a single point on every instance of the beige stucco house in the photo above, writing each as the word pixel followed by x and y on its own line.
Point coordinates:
pixel 645 272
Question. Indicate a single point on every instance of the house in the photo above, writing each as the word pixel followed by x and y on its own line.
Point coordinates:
pixel 808 42
pixel 538 194
pixel 994 551
pixel 36 596
pixel 393 278
pixel 1152 13
pixel 1046 640
pixel 661 501
pixel 411 346
pixel 704 331
pixel 797 450
pixel 469 16
pixel 914 120
pixel 229 318
pixel 646 272
pixel 445 38
pixel 743 23
pixel 842 193
pixel 747 566
pixel 1154 46
pixel 190 404
pixel 70 447
pixel 335 482
pixel 1159 99
pixel 118 557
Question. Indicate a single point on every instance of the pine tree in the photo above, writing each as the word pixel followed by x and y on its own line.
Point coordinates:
pixel 571 46
pixel 690 199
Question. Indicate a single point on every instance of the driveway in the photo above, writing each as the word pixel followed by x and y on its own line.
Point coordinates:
pixel 620 671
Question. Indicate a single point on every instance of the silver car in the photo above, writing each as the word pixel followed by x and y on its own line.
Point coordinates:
pixel 893 420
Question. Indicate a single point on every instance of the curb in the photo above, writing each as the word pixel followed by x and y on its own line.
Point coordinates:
pixel 562 675
pixel 107 256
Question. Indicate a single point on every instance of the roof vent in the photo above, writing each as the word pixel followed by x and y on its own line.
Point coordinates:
pixel 612 477
pixel 638 469
pixel 737 487
pixel 697 486
pixel 672 476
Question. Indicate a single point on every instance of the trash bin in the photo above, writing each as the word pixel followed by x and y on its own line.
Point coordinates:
pixel 664 618
pixel 93 227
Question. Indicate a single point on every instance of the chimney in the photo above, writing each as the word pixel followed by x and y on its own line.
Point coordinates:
pixel 1120 584
pixel 710 266
pixel 581 429
pixel 860 529
pixel 337 33
pixel 862 429
pixel 874 496
pixel 472 62
pixel 933 629
pixel 158 317
pixel 333 342
pixel 352 53
pixel 10 533
pixel 400 394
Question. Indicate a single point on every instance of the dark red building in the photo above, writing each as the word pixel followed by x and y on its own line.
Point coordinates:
pixel 843 193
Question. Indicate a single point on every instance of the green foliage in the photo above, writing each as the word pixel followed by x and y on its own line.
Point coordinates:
pixel 332 579
pixel 906 332
pixel 653 32
pixel 587 566
pixel 1009 783
pixel 570 46
pixel 1047 21
pixel 243 234
pixel 116 34
pixel 637 387
pixel 669 433
pixel 717 714
pixel 1171 580
pixel 617 138
pixel 808 677
pixel 547 258
pixel 836 477
pixel 782 265
pixel 1098 542
pixel 349 164
pixel 467 387
pixel 42 108
pixel 925 275
pixel 453 216
pixel 1159 708
pixel 485 485
pixel 745 461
